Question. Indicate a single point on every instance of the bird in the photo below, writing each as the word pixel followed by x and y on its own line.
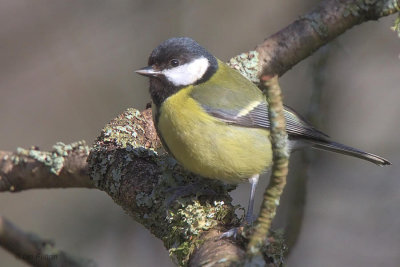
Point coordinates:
pixel 214 121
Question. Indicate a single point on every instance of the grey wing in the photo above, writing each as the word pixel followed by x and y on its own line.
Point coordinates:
pixel 257 117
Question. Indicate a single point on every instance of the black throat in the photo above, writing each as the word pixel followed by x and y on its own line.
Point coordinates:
pixel 161 90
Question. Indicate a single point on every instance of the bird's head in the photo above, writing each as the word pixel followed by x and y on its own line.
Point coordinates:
pixel 180 62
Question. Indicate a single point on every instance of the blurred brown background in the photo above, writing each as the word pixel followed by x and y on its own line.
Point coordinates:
pixel 66 69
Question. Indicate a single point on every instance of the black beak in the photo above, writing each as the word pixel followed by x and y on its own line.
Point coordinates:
pixel 148 71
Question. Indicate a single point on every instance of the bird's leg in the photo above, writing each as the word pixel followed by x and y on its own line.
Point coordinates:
pixel 249 219
pixel 249 215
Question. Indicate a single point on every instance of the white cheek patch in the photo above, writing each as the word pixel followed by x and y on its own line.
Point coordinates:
pixel 188 73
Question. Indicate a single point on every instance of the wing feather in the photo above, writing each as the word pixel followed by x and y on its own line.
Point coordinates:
pixel 258 118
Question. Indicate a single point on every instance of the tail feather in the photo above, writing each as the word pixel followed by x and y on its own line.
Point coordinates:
pixel 350 151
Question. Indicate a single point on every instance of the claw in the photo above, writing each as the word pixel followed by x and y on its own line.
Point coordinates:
pixel 234 232
pixel 250 218
pixel 230 233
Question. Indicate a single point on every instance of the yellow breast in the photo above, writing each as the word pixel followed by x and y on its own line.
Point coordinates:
pixel 209 147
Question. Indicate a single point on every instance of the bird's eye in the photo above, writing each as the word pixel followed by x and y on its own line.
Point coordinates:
pixel 174 63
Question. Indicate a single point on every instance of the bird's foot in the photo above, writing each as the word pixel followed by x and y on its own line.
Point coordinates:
pixel 234 232
pixel 242 230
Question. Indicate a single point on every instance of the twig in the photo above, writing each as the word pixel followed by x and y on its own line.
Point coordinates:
pixel 279 171
pixel 35 250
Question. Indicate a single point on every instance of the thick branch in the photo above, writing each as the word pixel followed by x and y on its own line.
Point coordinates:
pixel 330 18
pixel 35 250
pixel 64 166
pixel 184 210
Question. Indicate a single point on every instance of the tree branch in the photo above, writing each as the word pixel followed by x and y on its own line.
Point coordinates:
pixel 65 166
pixel 329 19
pixel 35 250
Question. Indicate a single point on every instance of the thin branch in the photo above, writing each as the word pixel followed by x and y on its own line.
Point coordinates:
pixel 35 250
pixel 273 192
pixel 65 166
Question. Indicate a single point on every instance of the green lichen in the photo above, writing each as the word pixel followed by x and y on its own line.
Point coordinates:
pixel 126 131
pixel 247 64
pixel 195 217
pixel 187 224
pixel 54 159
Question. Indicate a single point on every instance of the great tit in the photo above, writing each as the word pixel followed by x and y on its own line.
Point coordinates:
pixel 214 121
